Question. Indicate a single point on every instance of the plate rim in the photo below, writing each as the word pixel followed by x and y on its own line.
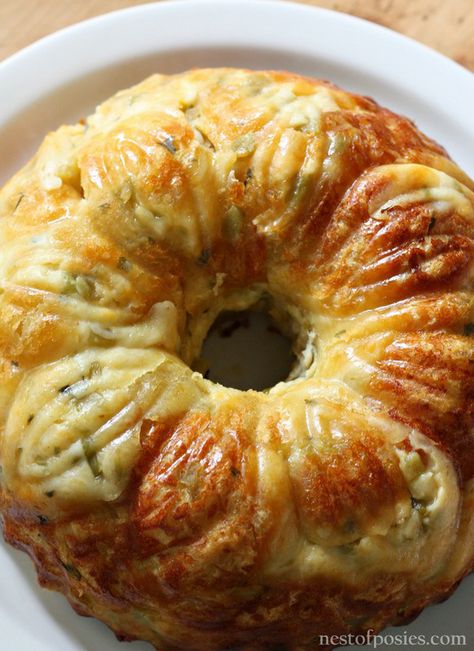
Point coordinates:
pixel 457 80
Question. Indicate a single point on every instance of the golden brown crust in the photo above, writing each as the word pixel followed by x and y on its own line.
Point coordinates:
pixel 197 516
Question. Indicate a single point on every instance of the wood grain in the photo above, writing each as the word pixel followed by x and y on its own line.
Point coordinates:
pixel 445 25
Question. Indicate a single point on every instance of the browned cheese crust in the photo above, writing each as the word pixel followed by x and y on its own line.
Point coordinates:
pixel 201 517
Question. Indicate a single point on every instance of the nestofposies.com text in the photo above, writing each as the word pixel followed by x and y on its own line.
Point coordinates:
pixel 404 639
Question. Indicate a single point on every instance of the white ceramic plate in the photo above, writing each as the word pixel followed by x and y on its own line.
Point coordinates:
pixel 61 78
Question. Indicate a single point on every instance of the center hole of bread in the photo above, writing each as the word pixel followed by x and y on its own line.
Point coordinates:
pixel 246 350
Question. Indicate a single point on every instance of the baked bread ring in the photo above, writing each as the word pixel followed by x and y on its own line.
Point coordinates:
pixel 197 516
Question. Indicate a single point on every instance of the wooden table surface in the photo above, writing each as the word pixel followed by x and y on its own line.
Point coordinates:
pixel 445 25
